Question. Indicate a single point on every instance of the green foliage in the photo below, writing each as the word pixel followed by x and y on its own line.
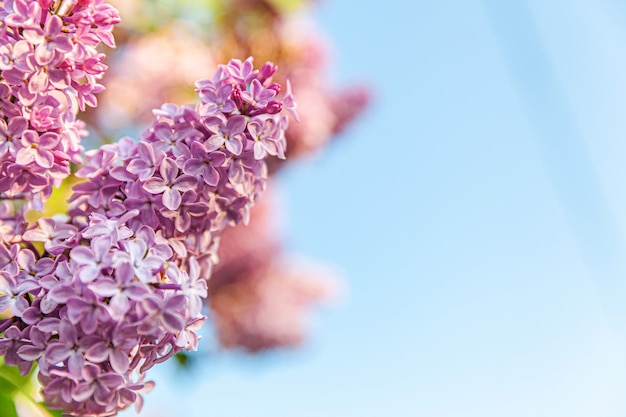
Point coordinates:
pixel 12 384
pixel 186 361
pixel 157 13
pixel 287 5
pixel 11 380
pixel 53 413
pixel 7 406
pixel 182 359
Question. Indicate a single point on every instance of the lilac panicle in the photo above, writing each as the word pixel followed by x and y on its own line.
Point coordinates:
pixel 119 284
pixel 49 70
pixel 199 168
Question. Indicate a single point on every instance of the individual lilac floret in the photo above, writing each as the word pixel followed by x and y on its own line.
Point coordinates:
pixel 118 286
pixel 205 164
pixel 49 70
pixel 228 134
pixel 170 185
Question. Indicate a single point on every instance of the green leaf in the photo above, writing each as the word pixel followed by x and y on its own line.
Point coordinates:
pixel 6 387
pixel 7 405
pixel 11 375
pixel 53 413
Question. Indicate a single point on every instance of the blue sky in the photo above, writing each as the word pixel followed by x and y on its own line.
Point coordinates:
pixel 478 212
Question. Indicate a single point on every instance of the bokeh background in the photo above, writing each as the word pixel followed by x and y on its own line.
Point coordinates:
pixel 476 212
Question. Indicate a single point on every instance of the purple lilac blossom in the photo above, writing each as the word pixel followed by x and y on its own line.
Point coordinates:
pixel 49 70
pixel 118 287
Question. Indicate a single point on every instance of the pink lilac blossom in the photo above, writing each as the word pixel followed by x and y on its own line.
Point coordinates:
pixel 259 298
pixel 268 306
pixel 118 289
pixel 49 70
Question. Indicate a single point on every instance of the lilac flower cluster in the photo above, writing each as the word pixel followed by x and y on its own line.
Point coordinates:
pixel 198 168
pixel 105 301
pixel 49 69
pixel 118 286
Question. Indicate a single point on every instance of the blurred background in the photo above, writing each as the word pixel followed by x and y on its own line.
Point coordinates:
pixel 459 184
